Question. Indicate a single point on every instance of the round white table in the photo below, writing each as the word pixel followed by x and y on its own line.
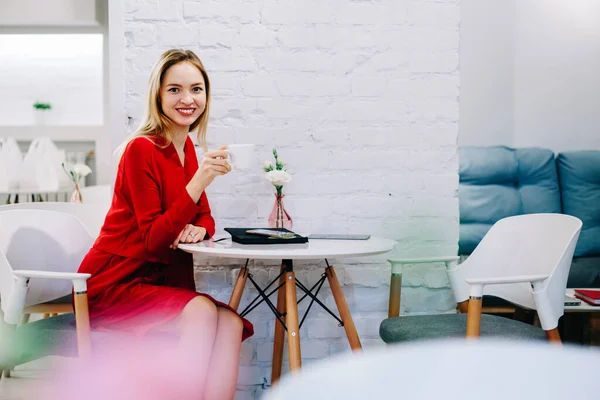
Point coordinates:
pixel 287 303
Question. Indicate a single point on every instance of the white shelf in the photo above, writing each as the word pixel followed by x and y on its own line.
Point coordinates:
pixel 56 133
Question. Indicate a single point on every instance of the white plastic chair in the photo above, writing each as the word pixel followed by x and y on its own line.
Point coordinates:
pixel 91 215
pixel 524 259
pixel 97 194
pixel 450 370
pixel 40 252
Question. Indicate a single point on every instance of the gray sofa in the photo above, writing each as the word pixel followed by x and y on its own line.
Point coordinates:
pixel 497 182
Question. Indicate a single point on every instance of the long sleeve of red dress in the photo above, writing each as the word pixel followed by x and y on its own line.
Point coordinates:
pixel 151 205
pixel 158 229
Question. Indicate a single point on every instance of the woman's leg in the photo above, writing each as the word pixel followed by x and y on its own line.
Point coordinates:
pixel 224 364
pixel 197 324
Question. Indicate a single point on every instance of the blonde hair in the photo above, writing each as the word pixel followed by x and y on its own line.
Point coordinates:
pixel 155 122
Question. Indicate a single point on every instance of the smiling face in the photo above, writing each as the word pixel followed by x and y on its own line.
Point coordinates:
pixel 183 94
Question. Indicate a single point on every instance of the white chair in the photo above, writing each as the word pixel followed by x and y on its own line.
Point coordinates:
pixel 97 194
pixel 40 252
pixel 524 259
pixel 449 369
pixel 91 215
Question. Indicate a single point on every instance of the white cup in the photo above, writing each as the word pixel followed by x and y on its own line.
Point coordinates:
pixel 241 156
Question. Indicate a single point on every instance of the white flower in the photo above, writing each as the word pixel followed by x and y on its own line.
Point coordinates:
pixel 81 170
pixel 267 164
pixel 278 177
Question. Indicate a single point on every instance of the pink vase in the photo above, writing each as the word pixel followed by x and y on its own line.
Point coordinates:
pixel 76 196
pixel 279 217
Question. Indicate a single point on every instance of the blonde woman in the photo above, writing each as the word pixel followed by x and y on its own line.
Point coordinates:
pixel 140 282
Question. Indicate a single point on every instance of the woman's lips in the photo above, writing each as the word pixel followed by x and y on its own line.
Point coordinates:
pixel 186 111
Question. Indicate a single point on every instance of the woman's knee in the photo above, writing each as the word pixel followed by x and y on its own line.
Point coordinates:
pixel 229 318
pixel 199 309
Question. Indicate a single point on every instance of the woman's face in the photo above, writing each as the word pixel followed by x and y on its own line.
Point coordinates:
pixel 183 94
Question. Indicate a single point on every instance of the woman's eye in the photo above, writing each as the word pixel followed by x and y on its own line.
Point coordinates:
pixel 173 90
pixel 197 89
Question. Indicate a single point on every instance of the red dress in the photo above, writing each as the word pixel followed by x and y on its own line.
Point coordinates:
pixel 137 281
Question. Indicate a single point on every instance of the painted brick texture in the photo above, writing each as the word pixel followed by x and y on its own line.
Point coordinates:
pixel 361 100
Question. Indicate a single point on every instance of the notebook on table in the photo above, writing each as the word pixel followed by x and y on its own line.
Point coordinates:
pixel 590 296
pixel 242 236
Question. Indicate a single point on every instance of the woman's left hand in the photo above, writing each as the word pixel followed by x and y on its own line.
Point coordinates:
pixel 190 234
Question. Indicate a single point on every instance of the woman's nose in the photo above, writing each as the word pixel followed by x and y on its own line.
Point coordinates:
pixel 187 98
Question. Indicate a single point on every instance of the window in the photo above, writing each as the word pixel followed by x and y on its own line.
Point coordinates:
pixel 64 70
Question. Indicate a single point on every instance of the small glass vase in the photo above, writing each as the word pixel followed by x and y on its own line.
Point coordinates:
pixel 279 217
pixel 76 196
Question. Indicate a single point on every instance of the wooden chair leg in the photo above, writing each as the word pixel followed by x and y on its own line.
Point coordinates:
pixel 238 289
pixel 279 332
pixel 82 321
pixel 395 293
pixel 7 331
pixel 463 307
pixel 25 318
pixel 474 317
pixel 293 328
pixel 343 309
pixel 46 315
pixel 553 336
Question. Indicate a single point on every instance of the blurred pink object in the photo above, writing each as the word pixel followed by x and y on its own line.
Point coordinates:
pixel 149 369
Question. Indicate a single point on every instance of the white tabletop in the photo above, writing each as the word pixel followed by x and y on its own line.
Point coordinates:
pixel 583 306
pixel 314 249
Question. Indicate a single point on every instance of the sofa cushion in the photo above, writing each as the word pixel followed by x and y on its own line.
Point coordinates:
pixel 579 173
pixel 584 273
pixel 499 182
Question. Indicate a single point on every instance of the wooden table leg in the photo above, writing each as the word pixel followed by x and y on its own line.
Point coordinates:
pixel 279 332
pixel 238 289
pixel 395 292
pixel 343 309
pixel 293 328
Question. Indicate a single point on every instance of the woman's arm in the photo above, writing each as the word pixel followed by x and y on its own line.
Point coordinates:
pixel 204 217
pixel 158 230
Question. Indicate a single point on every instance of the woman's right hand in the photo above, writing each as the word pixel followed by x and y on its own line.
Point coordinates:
pixel 213 164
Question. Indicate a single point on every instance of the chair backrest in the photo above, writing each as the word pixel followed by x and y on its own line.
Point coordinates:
pixel 97 194
pixel 91 215
pixel 531 244
pixel 450 370
pixel 40 240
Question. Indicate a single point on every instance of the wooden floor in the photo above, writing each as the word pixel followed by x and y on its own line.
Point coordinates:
pixel 32 380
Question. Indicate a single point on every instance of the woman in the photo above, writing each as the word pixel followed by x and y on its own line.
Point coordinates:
pixel 140 282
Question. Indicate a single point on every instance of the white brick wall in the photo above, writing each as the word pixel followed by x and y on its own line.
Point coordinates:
pixel 361 100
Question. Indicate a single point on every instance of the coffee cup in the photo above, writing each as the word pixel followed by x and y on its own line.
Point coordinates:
pixel 241 156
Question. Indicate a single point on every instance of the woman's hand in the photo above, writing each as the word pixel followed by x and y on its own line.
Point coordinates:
pixel 213 164
pixel 190 234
